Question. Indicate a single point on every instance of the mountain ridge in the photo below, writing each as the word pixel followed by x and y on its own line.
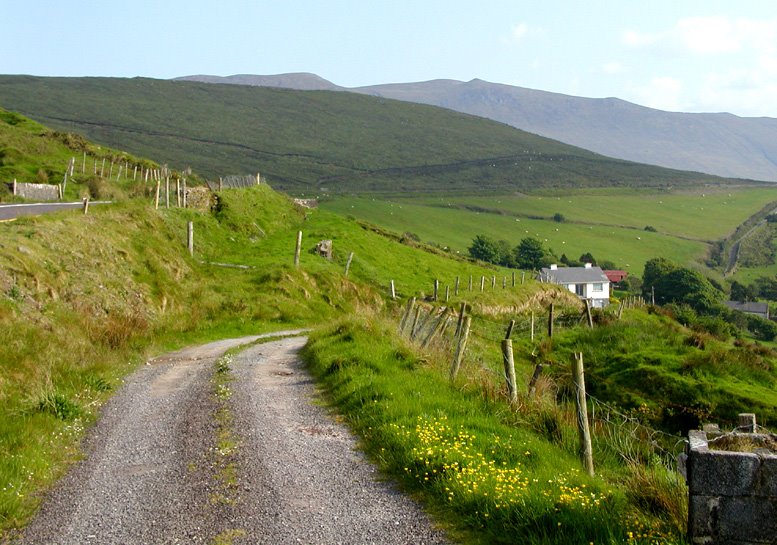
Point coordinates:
pixel 721 143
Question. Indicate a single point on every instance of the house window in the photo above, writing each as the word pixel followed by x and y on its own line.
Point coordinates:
pixel 580 289
pixel 599 287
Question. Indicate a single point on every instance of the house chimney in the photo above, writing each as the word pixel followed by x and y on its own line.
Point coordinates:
pixel 587 265
pixel 554 267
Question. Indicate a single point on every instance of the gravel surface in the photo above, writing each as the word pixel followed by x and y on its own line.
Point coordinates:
pixel 304 480
pixel 149 475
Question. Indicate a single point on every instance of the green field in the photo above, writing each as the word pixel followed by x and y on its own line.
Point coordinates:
pixel 608 223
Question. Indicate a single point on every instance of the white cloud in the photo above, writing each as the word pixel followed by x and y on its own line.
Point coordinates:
pixel 633 38
pixel 709 63
pixel 519 31
pixel 708 35
pixel 663 93
pixel 613 67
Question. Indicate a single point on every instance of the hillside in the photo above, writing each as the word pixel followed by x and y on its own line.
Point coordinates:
pixel 716 143
pixel 86 299
pixel 319 141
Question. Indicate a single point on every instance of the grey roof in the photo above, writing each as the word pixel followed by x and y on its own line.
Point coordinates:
pixel 751 307
pixel 573 275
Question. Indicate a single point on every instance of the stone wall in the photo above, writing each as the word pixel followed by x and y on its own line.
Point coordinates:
pixel 199 197
pixel 732 495
pixel 35 192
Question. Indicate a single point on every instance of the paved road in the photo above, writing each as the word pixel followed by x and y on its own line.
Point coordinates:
pixel 11 211
pixel 149 475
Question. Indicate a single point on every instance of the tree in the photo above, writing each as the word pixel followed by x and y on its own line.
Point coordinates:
pixel 587 258
pixel 766 287
pixel 654 269
pixel 506 257
pixel 530 254
pixel 485 249
pixel 558 217
pixel 686 286
pixel 742 293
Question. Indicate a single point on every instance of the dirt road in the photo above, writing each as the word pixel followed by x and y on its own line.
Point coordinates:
pixel 151 474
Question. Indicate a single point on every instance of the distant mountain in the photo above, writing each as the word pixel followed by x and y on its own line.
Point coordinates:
pixel 715 143
pixel 302 81
pixel 321 141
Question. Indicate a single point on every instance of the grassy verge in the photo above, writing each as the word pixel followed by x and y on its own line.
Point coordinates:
pixel 467 455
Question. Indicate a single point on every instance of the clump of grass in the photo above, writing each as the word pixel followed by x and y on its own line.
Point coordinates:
pixel 223 457
pixel 662 492
pixel 58 405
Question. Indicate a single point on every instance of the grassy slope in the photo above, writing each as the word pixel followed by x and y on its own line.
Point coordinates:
pixel 305 141
pixel 608 223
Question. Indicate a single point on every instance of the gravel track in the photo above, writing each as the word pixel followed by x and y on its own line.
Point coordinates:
pixel 148 476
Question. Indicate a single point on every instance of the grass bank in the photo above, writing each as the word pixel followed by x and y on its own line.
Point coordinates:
pixel 472 458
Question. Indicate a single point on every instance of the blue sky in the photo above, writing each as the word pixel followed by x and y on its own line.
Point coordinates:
pixel 678 55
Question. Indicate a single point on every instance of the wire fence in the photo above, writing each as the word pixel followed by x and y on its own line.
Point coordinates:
pixel 235 181
pixel 626 431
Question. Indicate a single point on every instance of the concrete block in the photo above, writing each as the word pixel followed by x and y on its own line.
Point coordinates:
pixel 747 520
pixel 720 473
pixel 766 480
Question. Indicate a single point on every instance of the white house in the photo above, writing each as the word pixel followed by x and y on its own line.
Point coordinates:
pixel 587 282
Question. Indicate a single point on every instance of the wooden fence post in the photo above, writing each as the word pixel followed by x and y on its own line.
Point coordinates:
pixel 470 282
pixel 447 293
pixel 504 282
pixel 436 327
pixel 510 327
pixel 420 324
pixel 348 264
pixel 509 366
pixel 493 281
pixel 534 378
pixel 581 406
pixel 416 318
pixel 550 321
pixel 460 321
pixel 588 314
pixel 513 278
pixel 298 248
pixel 532 325
pixel 184 198
pixel 156 198
pixel 523 276
pixel 436 289
pixel 456 287
pixel 86 205
pixel 482 282
pixel 406 316
pixel 190 237
pixel 460 347
pixel 167 192
pixel 393 291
